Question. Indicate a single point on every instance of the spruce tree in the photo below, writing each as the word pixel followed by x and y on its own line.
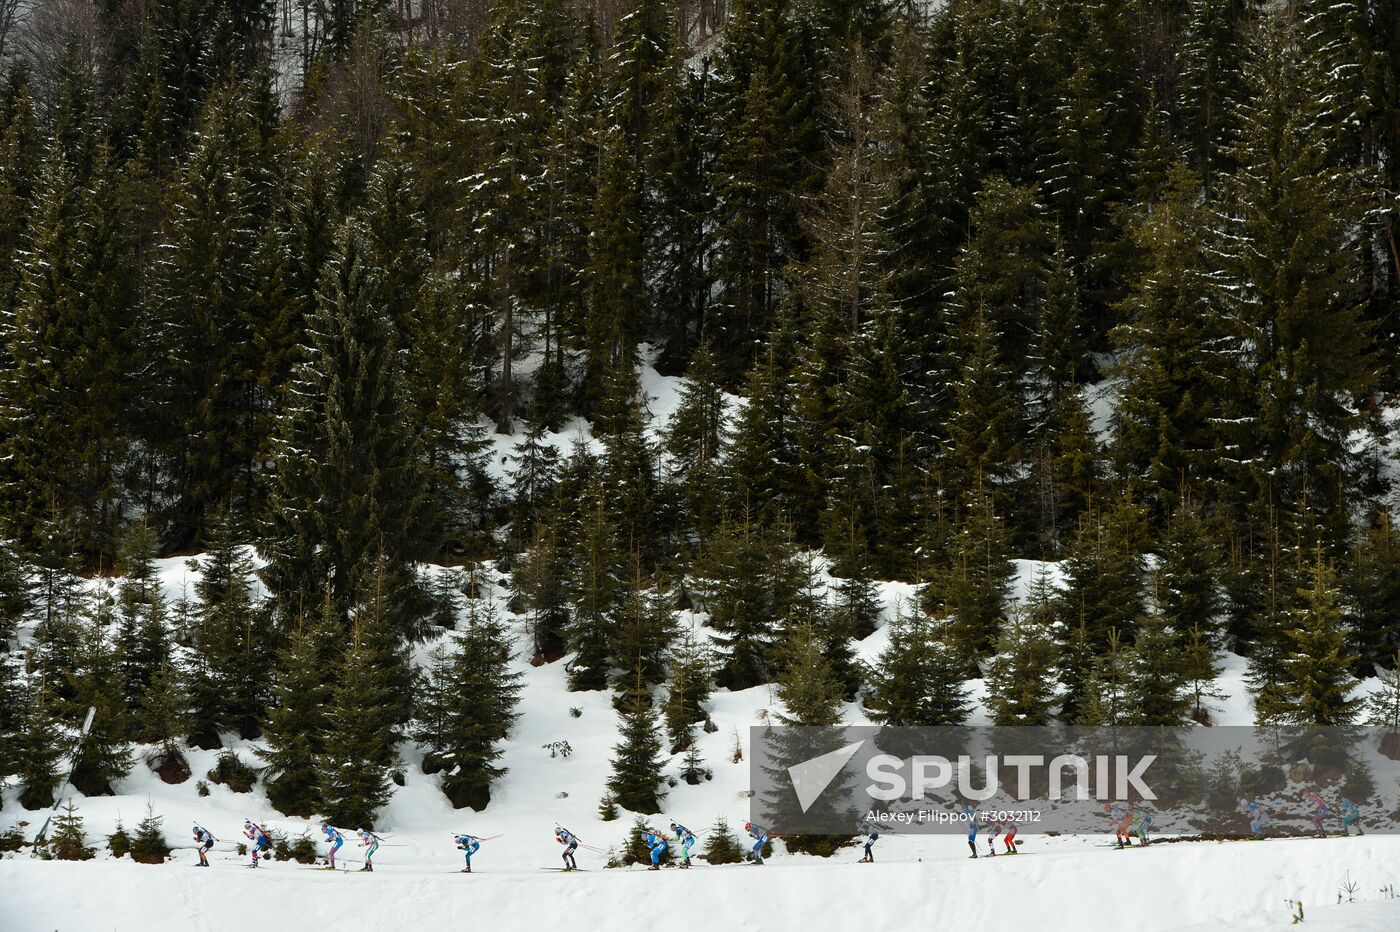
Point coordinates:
pixel 646 627
pixel 917 679
pixel 230 670
pixel 297 715
pixel 1289 285
pixel 694 440
pixel 1317 681
pixel 161 720
pixel 1383 706
pixel 1022 685
pixel 360 734
pixel 148 845
pixel 69 841
pixel 688 689
pixel 1372 594
pixel 348 487
pixel 734 580
pixel 972 586
pixel 37 750
pixel 101 757
pixel 1158 679
pixel 468 708
pixel 636 782
pixel 542 578
pixel 64 396
pixel 599 592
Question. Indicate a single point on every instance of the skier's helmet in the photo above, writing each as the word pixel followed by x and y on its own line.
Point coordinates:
pixel 748 826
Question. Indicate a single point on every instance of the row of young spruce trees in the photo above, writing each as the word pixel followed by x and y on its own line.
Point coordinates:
pixel 287 311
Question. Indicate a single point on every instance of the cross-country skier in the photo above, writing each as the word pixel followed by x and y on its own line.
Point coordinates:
pixel 759 834
pixel 370 842
pixel 334 839
pixel 992 827
pixel 1141 821
pixel 1120 816
pixel 570 842
pixel 1319 813
pixel 872 835
pixel 656 845
pixel 1258 817
pixel 204 841
pixel 1009 827
pixel 1351 815
pixel 258 838
pixel 972 826
pixel 687 841
pixel 468 845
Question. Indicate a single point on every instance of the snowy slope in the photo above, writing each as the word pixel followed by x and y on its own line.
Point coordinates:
pixel 1062 883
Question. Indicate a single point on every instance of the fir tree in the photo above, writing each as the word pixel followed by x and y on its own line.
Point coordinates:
pixel 972 587
pixel 1317 679
pixel 148 845
pixel 297 716
pixel 636 782
pixel 37 750
pixel 1022 687
pixel 360 735
pixel 69 842
pixel 468 708
pixel 917 679
pixel 599 592
pixel 688 689
pixel 734 580
pixel 721 847
pixel 348 487
pixel 1371 594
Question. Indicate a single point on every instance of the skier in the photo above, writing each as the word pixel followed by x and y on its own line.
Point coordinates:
pixel 1010 825
pixel 656 844
pixel 335 840
pixel 759 834
pixel 972 825
pixel 687 841
pixel 469 845
pixel 260 842
pixel 370 842
pixel 1350 815
pixel 205 841
pixel 872 835
pixel 1141 819
pixel 993 832
pixel 570 842
pixel 1120 816
pixel 1258 817
pixel 1319 813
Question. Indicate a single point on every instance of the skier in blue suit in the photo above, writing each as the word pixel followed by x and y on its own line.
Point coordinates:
pixel 334 839
pixel 656 844
pixel 468 845
pixel 687 840
pixel 759 834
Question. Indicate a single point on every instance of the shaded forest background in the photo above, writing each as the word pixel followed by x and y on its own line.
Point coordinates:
pixel 1112 283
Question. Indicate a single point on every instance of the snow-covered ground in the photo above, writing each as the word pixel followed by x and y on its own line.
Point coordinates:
pixel 1070 883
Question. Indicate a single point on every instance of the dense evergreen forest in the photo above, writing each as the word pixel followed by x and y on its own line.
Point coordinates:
pixel 1112 283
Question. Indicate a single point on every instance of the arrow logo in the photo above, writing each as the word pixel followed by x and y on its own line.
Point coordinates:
pixel 811 777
